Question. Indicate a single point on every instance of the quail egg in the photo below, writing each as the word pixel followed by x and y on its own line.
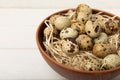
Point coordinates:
pixel 111 61
pixel 82 17
pixel 101 38
pixel 102 49
pixel 84 42
pixel 78 27
pixel 53 18
pixel 111 26
pixel 69 47
pixel 47 31
pixel 62 22
pixel 92 29
pixel 84 8
pixel 96 17
pixel 68 33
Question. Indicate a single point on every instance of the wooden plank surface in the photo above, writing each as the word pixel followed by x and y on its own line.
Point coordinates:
pixel 25 64
pixel 52 4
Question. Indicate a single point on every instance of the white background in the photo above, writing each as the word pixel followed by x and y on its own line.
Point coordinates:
pixel 19 19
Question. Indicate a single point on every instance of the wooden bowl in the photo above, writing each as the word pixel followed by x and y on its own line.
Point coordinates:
pixel 70 73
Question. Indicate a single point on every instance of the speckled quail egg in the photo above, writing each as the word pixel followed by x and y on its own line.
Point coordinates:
pixel 86 61
pixel 111 61
pixel 69 47
pixel 62 22
pixel 84 8
pixel 82 17
pixel 102 49
pixel 53 18
pixel 101 38
pixel 84 42
pixel 92 29
pixel 110 26
pixel 47 31
pixel 99 18
pixel 95 17
pixel 78 27
pixel 68 33
pixel 71 14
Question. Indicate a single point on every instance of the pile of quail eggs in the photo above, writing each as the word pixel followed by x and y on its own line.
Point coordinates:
pixel 81 30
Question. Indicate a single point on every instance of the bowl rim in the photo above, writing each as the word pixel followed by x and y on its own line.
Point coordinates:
pixel 64 66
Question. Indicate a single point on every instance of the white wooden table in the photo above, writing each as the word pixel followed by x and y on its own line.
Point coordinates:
pixel 19 20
